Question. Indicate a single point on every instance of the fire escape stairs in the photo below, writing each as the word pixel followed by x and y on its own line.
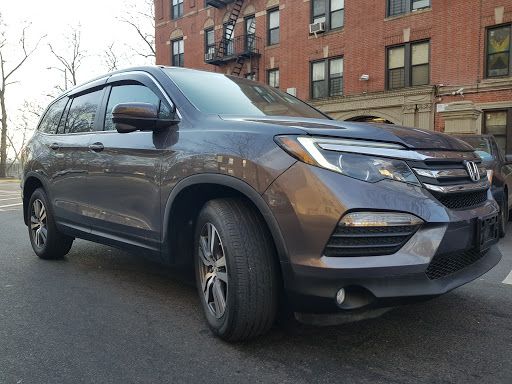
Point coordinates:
pixel 250 41
pixel 229 28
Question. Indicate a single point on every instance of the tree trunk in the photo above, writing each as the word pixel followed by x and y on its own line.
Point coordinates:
pixel 3 142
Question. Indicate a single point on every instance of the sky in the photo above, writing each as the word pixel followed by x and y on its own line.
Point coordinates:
pixel 99 26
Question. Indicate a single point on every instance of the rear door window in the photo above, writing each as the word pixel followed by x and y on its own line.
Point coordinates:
pixel 51 119
pixel 133 93
pixel 82 112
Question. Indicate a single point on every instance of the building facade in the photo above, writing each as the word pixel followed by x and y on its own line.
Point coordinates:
pixel 432 64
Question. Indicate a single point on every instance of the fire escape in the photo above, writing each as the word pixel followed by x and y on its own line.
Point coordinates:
pixel 237 49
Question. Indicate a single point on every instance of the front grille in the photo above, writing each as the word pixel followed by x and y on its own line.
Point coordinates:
pixel 449 182
pixel 444 265
pixel 368 241
pixel 462 200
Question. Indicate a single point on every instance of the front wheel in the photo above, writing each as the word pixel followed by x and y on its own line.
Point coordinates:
pixel 47 242
pixel 235 270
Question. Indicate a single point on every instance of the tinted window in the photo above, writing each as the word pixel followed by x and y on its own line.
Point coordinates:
pixel 52 117
pixel 227 95
pixel 83 112
pixel 133 93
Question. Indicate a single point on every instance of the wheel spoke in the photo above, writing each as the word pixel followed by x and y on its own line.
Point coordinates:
pixel 37 238
pixel 207 281
pixel 218 297
pixel 34 223
pixel 42 212
pixel 221 262
pixel 44 234
pixel 222 276
pixel 37 209
pixel 203 252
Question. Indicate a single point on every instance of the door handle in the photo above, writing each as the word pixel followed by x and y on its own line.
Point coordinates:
pixel 96 147
pixel 54 146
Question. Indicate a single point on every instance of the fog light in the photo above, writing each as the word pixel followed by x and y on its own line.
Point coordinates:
pixel 379 219
pixel 340 296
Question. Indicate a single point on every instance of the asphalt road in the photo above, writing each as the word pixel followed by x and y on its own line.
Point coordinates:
pixel 106 316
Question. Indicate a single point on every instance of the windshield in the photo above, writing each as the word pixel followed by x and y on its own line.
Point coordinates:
pixel 219 94
pixel 481 145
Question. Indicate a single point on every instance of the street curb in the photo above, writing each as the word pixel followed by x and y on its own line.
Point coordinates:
pixel 9 181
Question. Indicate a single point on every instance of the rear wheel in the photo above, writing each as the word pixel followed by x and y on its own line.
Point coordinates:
pixel 47 242
pixel 235 270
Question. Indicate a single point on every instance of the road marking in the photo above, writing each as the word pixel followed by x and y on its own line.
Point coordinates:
pixel 7 191
pixel 508 279
pixel 10 205
pixel 10 198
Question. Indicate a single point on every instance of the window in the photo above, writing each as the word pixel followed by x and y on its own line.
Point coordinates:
pixel 250 76
pixel 335 10
pixel 51 119
pixel 178 52
pixel 327 78
pixel 273 78
pixel 228 39
pixel 82 112
pixel 273 26
pixel 250 33
pixel 399 7
pixel 209 43
pixel 133 93
pixel 408 65
pixel 218 94
pixel 496 123
pixel 498 51
pixel 177 9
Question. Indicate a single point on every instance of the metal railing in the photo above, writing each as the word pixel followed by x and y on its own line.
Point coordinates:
pixel 245 45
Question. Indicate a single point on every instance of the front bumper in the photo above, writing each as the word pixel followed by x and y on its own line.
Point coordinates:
pixel 308 203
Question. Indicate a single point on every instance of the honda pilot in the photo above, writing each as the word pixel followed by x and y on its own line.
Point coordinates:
pixel 274 204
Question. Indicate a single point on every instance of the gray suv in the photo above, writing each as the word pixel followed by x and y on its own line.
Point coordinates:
pixel 275 205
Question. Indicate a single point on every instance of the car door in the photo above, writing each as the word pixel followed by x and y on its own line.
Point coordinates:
pixel 69 160
pixel 124 178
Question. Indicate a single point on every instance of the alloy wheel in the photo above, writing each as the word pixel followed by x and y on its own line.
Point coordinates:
pixel 213 271
pixel 38 223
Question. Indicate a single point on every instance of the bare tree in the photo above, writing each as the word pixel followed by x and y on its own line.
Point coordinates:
pixel 110 58
pixel 71 60
pixel 143 24
pixel 6 78
pixel 28 115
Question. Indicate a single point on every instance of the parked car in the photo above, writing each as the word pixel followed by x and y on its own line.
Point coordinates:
pixel 272 203
pixel 499 173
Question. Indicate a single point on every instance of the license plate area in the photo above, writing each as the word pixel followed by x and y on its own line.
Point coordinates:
pixel 486 232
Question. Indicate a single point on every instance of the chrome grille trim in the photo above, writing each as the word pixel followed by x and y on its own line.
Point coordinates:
pixel 446 173
pixel 484 184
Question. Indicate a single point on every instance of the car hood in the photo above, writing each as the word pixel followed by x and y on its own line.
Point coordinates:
pixel 412 138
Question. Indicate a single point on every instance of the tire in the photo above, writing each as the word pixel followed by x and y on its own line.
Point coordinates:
pixel 47 242
pixel 504 217
pixel 247 275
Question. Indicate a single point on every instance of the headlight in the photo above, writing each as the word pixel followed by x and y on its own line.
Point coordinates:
pixel 313 151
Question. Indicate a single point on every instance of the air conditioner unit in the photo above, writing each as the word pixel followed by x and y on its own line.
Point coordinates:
pixel 209 56
pixel 317 27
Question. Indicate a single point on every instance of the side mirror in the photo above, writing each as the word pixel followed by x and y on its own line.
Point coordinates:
pixel 130 117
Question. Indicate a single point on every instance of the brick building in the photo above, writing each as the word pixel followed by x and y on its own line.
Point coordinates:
pixel 434 64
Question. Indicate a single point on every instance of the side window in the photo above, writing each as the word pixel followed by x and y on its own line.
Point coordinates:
pixel 130 94
pixel 83 112
pixel 52 117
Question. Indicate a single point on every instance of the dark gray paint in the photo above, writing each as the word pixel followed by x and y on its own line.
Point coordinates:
pixel 123 195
